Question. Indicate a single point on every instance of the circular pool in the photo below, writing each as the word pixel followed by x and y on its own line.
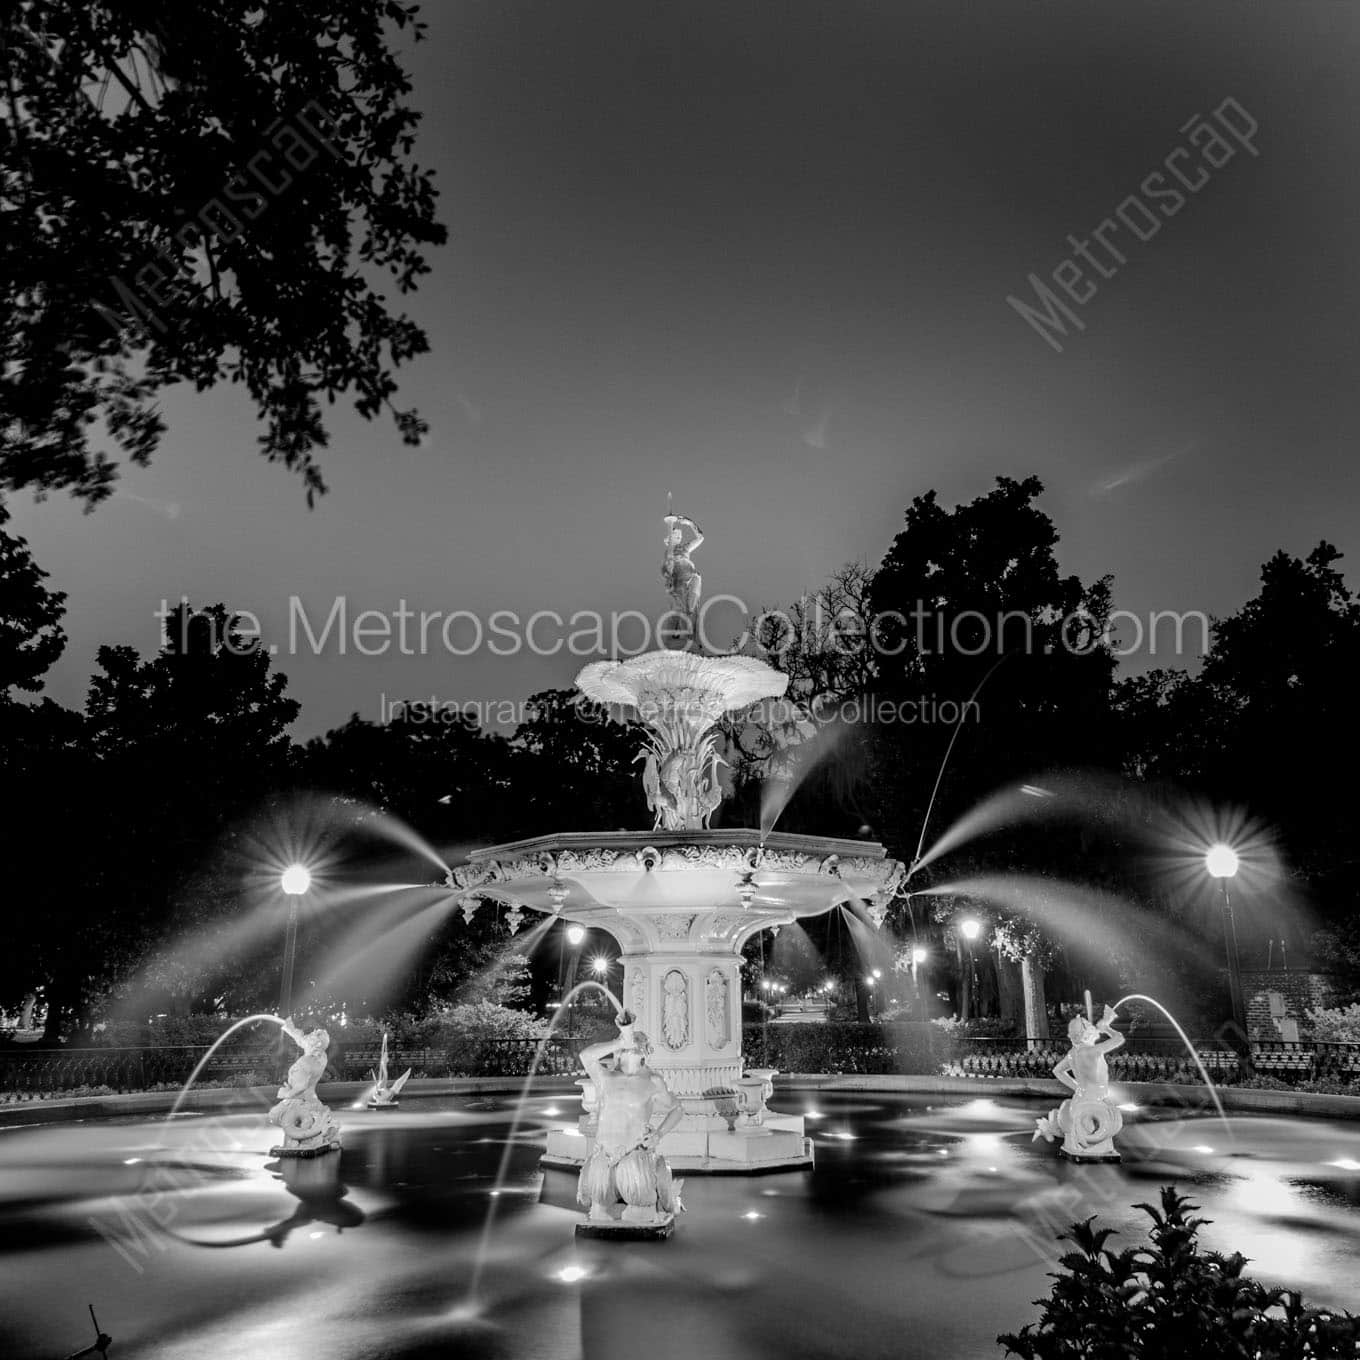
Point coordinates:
pixel 925 1228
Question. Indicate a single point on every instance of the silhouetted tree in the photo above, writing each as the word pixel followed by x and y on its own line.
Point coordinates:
pixel 575 769
pixel 179 749
pixel 195 192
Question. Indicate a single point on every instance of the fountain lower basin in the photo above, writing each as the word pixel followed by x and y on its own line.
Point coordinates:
pixel 681 904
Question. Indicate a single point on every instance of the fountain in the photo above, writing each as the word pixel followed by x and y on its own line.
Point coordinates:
pixel 682 899
pixel 384 1095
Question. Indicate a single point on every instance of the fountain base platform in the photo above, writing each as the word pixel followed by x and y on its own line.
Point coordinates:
pixel 620 1230
pixel 1081 1160
pixel 779 1144
pixel 303 1153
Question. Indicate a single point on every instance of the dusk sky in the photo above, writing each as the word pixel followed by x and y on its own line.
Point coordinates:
pixel 759 257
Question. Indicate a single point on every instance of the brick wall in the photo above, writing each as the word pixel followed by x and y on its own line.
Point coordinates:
pixel 1300 991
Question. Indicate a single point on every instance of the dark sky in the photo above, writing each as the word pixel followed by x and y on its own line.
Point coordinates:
pixel 759 256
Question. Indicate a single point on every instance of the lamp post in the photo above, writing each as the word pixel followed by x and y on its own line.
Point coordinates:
pixel 918 957
pixel 295 881
pixel 1222 863
pixel 970 929
pixel 573 935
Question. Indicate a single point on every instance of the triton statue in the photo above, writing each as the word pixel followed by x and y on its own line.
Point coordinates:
pixel 625 1184
pixel 1088 1120
pixel 308 1127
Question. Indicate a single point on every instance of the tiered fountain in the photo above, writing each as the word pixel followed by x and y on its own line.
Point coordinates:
pixel 682 899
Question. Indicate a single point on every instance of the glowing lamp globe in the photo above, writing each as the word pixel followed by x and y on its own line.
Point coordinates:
pixel 1221 861
pixel 918 955
pixel 970 929
pixel 599 966
pixel 295 880
pixel 575 934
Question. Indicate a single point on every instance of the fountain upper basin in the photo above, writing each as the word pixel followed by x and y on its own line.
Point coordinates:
pixel 654 888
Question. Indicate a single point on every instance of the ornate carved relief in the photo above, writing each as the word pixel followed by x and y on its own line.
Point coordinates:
pixel 675 1010
pixel 673 927
pixel 637 995
pixel 717 1011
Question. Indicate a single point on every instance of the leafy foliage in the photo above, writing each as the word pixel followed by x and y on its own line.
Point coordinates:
pixel 194 191
pixel 31 635
pixel 1335 1024
pixel 1169 1300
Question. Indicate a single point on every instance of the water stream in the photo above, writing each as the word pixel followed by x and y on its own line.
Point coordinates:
pixel 1185 1039
pixel 480 1258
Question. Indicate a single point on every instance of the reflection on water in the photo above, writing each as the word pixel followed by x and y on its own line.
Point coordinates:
pixel 926 1219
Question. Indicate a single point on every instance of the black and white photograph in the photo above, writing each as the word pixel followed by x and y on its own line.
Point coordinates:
pixel 680 681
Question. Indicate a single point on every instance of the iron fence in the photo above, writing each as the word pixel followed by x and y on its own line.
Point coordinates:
pixel 1166 1060
pixel 27 1072
pixel 39 1071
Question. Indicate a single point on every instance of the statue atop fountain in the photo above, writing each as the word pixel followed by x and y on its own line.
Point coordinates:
pixel 626 1185
pixel 680 576
pixel 384 1094
pixel 309 1129
pixel 1088 1120
pixel 680 696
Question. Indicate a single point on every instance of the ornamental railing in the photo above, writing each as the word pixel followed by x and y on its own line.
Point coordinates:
pixel 835 1048
pixel 1166 1060
pixel 28 1072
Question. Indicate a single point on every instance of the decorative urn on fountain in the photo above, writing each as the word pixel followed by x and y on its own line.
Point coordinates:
pixel 683 898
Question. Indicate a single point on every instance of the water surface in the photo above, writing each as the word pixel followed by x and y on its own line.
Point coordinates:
pixel 925 1229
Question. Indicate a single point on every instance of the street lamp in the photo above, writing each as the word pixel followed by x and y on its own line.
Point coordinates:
pixel 599 965
pixel 573 935
pixel 295 881
pixel 919 954
pixel 970 930
pixel 1222 862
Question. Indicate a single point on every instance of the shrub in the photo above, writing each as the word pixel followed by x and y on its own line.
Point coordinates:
pixel 1171 1299
pixel 173 1031
pixel 487 1020
pixel 1336 1025
pixel 834 1047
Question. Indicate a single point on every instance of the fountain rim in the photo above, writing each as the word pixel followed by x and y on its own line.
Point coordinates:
pixel 744 838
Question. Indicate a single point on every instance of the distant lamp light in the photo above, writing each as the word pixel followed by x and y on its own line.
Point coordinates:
pixel 1221 861
pixel 878 972
pixel 599 965
pixel 919 954
pixel 970 928
pixel 869 981
pixel 295 880
pixel 575 934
